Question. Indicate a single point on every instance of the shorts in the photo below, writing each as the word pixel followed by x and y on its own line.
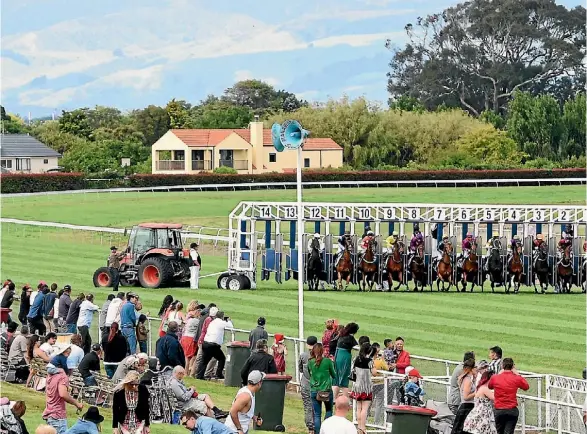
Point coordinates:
pixel 198 405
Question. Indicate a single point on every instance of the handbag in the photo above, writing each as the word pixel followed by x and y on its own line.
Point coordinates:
pixel 353 374
pixel 323 396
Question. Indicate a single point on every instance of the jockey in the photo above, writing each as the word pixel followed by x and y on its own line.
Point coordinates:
pixel 565 241
pixel 417 231
pixel 491 245
pixel 466 245
pixel 538 243
pixel 343 241
pixel 366 233
pixel 441 245
pixel 316 241
pixel 514 244
pixel 391 242
pixel 370 236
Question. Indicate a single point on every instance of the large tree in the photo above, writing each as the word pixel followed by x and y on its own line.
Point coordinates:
pixel 477 54
pixel 261 98
pixel 152 121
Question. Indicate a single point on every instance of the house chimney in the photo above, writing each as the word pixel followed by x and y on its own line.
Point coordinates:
pixel 256 129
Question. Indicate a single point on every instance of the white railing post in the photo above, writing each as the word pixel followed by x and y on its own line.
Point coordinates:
pixel 539 403
pixel 149 334
pixel 523 415
pixel 297 362
pixel 548 416
pixel 560 419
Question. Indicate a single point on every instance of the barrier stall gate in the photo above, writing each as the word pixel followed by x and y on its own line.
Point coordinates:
pixel 454 219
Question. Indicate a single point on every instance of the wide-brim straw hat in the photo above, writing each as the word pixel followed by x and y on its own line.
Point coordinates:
pixel 130 377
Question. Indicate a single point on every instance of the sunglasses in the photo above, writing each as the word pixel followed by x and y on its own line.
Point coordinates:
pixel 184 422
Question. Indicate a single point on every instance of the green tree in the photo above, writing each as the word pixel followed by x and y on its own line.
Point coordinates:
pixel 104 117
pixel 573 119
pixel 179 114
pixel 261 98
pixel 76 122
pixel 535 123
pixel 221 114
pixel 476 54
pixel 51 135
pixel 406 103
pixel 488 145
pixel 152 122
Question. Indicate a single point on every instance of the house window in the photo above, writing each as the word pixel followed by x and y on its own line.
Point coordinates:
pixel 179 155
pixel 272 158
pixel 306 162
pixel 23 164
pixel 6 164
pixel 45 161
pixel 197 155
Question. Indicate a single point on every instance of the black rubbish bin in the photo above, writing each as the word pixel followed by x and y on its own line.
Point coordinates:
pixel 238 353
pixel 406 419
pixel 269 402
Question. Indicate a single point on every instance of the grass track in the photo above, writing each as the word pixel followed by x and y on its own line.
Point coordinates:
pixel 433 324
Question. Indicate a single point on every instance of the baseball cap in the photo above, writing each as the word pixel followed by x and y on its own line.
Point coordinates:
pixel 261 321
pixel 42 282
pixel 213 311
pixel 482 364
pixel 312 340
pixel 255 377
pixel 408 370
pixel 67 287
pixel 96 347
pixel 414 373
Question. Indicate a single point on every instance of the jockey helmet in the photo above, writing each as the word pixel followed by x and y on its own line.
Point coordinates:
pixel 540 237
pixel 495 234
pixel 469 235
pixel 445 237
pixel 316 235
pixel 347 232
pixel 370 233
pixel 416 227
pixel 516 237
pixel 395 233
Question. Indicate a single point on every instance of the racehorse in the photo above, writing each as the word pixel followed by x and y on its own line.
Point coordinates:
pixel 515 270
pixel 495 267
pixel 470 270
pixel 368 266
pixel 417 268
pixel 344 268
pixel 314 271
pixel 444 273
pixel 583 282
pixel 541 269
pixel 395 266
pixel 565 272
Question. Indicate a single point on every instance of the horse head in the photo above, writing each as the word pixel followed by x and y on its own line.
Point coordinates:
pixel 420 251
pixel 448 248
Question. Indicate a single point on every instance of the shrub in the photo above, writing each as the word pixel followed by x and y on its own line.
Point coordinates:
pixel 33 182
pixel 225 170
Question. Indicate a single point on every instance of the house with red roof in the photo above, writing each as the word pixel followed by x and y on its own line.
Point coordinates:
pixel 247 150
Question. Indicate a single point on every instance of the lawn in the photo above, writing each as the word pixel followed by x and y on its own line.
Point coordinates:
pixel 526 325
pixel 212 208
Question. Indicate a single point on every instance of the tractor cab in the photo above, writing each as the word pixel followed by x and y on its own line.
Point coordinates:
pixel 155 238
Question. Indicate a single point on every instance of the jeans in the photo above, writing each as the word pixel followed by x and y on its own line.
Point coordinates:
pixel 70 328
pixel 110 370
pixel 84 331
pixel 143 346
pixel 60 425
pixel 505 420
pixel 317 406
pixel 115 278
pixel 308 407
pixel 210 351
pixel 131 338
pixel 90 381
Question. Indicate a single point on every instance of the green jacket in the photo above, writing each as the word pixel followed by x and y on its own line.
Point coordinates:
pixel 321 376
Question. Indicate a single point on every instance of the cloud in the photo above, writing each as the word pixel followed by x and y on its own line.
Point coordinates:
pixel 352 40
pixel 355 15
pixel 138 79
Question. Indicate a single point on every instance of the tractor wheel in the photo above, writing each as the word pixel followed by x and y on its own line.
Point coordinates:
pixel 222 280
pixel 155 272
pixel 125 282
pixel 103 278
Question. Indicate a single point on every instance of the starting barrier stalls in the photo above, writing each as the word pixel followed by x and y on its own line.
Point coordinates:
pixel 330 220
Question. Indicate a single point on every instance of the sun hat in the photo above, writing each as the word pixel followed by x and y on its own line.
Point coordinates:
pixel 130 377
pixel 93 415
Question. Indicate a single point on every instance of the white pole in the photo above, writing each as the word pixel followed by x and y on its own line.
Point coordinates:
pixel 300 232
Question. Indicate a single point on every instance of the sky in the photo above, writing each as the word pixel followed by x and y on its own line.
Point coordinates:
pixel 60 54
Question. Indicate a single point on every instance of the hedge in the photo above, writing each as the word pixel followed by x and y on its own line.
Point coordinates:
pixel 317 176
pixel 33 182
pixel 27 183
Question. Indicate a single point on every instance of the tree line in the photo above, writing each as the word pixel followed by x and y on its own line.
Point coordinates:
pixel 484 84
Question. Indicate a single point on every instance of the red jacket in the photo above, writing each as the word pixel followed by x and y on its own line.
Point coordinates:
pixel 506 385
pixel 403 361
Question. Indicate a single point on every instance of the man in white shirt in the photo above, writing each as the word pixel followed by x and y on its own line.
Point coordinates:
pixel 77 353
pixel 242 411
pixel 212 345
pixel 339 424
pixel 113 313
pixel 195 266
pixel 84 321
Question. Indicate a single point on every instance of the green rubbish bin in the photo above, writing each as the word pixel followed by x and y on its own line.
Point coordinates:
pixel 406 419
pixel 269 402
pixel 238 353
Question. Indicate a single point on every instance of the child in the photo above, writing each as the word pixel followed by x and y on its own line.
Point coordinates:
pixel 389 352
pixel 413 391
pixel 142 333
pixel 279 351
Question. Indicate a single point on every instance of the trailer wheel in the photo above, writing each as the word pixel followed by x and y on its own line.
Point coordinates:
pixel 235 283
pixel 222 281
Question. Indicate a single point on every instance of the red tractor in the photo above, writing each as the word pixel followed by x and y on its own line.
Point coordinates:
pixel 154 257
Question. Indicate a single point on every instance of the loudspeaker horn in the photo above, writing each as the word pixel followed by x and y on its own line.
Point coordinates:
pixel 288 135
